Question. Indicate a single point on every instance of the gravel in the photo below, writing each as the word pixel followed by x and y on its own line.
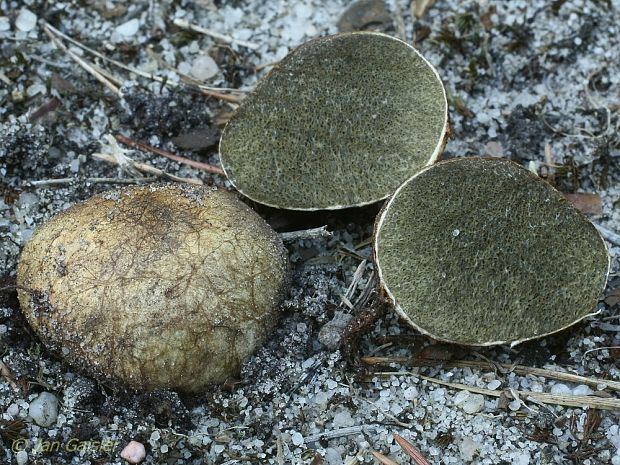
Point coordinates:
pixel 534 81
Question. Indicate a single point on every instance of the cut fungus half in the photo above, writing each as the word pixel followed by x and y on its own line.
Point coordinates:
pixel 481 251
pixel 341 121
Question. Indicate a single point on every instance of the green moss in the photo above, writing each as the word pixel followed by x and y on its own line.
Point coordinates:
pixel 341 121
pixel 480 251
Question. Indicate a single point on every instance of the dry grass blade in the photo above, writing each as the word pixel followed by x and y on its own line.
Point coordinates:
pixel 216 35
pixel 5 372
pixel 419 8
pixel 410 450
pixel 186 161
pixel 536 397
pixel 143 167
pixel 518 369
pixel 206 90
pixel 383 459
pixel 97 75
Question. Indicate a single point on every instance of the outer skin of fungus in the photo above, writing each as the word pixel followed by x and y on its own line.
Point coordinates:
pixel 158 287
pixel 341 121
pixel 481 251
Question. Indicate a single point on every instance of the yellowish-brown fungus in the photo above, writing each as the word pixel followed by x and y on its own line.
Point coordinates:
pixel 154 287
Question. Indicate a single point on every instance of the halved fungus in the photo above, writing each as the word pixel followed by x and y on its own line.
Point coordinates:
pixel 481 251
pixel 157 287
pixel 341 121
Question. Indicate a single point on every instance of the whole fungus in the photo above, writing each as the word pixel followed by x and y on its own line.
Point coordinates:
pixel 159 287
pixel 341 121
pixel 481 251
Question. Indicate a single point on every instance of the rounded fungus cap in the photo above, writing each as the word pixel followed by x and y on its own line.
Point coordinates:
pixel 156 287
pixel 481 251
pixel 341 121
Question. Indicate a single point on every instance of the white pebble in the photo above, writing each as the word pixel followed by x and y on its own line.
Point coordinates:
pixel 44 409
pixel 129 28
pixel 474 404
pixel 26 20
pixel 134 452
pixel 461 397
pixel 204 67
pixel 514 405
pixel 410 393
pixel 13 410
pixel 468 448
pixel 560 389
pixel 333 456
pixel 494 384
pixel 343 419
pixel 615 460
pixel 582 390
pixel 5 24
pixel 21 457
pixel 522 458
pixel 297 438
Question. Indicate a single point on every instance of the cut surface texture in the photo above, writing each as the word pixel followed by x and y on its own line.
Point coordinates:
pixel 341 121
pixel 481 251
pixel 158 287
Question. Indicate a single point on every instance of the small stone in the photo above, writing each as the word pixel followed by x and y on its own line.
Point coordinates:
pixel 297 438
pixel 474 404
pixel 461 397
pixel 494 149
pixel 21 457
pixel 615 460
pixel 13 410
pixel 365 14
pixel 514 405
pixel 560 389
pixel 410 393
pixel 44 409
pixel 129 28
pixel 468 448
pixel 582 390
pixel 331 333
pixel 522 458
pixel 333 456
pixel 343 419
pixel 5 24
pixel 26 20
pixel 134 452
pixel 204 67
pixel 494 384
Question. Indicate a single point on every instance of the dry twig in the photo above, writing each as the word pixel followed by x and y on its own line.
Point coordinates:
pixel 216 35
pixel 383 459
pixel 541 397
pixel 410 450
pixel 164 153
pixel 314 233
pixel 207 90
pixel 5 372
pixel 148 169
pixel 65 181
pixel 80 61
pixel 518 369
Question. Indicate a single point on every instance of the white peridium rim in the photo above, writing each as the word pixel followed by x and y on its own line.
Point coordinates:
pixel 432 159
pixel 401 312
